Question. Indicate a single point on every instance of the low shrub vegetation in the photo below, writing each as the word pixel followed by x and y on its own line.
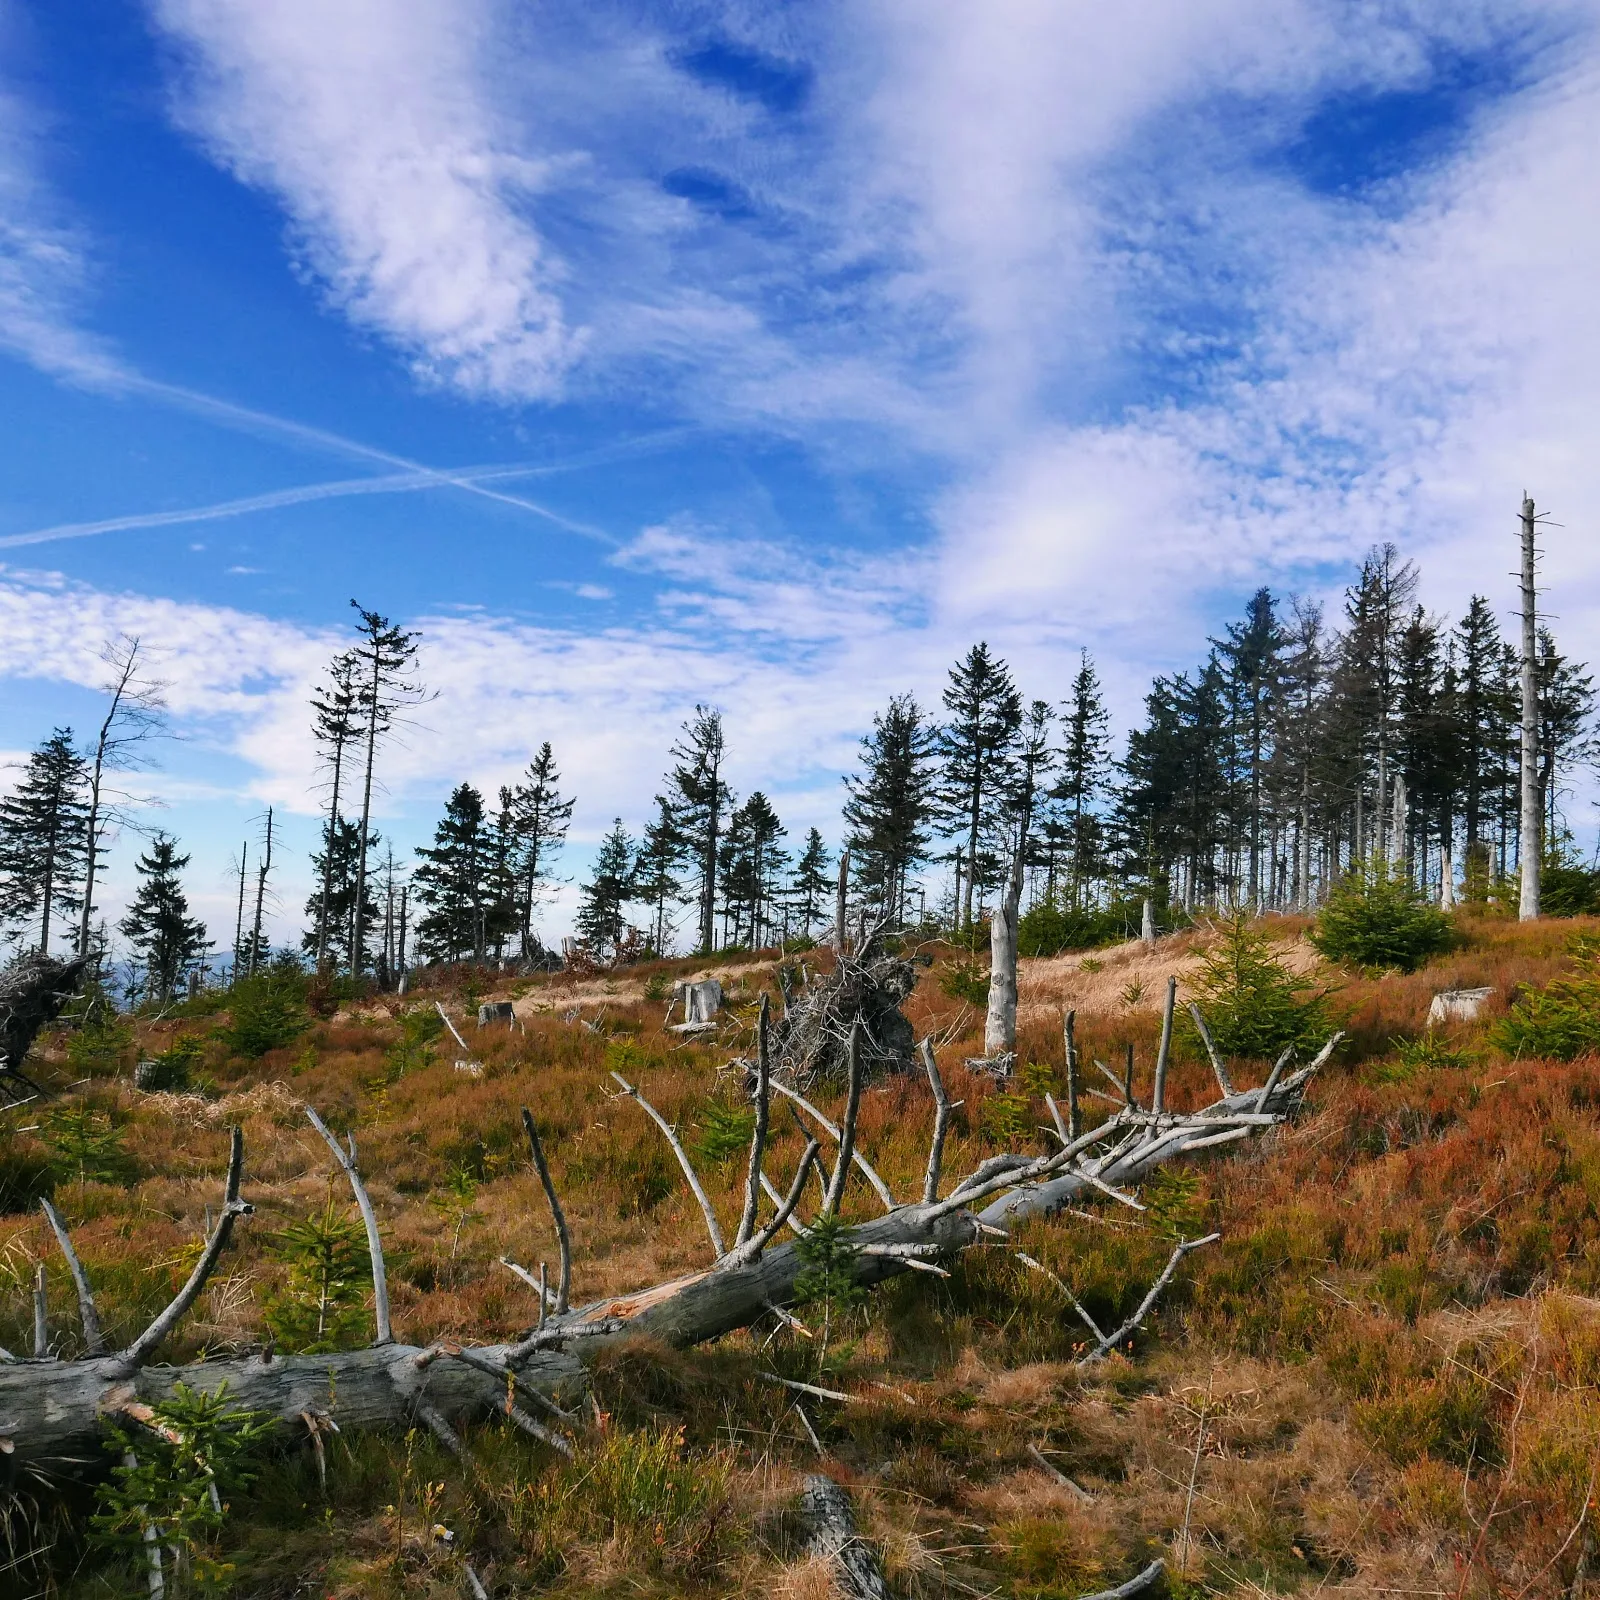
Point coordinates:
pixel 1376 918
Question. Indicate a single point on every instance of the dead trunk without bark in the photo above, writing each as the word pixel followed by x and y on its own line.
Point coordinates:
pixel 53 1412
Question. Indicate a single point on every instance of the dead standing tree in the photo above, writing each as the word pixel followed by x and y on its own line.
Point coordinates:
pixel 53 1412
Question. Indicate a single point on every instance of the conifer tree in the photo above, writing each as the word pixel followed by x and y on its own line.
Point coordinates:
pixel 1484 713
pixel 43 836
pixel 158 926
pixel 753 864
pixel 700 798
pixel 812 882
pixel 655 874
pixel 976 746
pixel 1377 607
pixel 1299 744
pixel 384 657
pixel 332 907
pixel 459 883
pixel 336 726
pixel 1085 751
pixel 600 921
pixel 540 816
pixel 135 713
pixel 890 803
pixel 1251 654
pixel 1566 707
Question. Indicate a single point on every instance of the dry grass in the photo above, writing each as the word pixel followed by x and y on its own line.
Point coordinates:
pixel 1383 1380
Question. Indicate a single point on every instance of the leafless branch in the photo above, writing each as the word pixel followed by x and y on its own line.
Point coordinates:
pixel 742 1254
pixel 847 1132
pixel 683 1161
pixel 1224 1082
pixel 1072 1299
pixel 1111 1341
pixel 1158 1098
pixel 1069 1031
pixel 758 1135
pixel 93 1338
pixel 943 1110
pixel 380 1278
pixel 233 1207
pixel 564 1282
pixel 832 1129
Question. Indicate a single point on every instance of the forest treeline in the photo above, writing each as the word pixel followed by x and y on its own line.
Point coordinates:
pixel 1299 747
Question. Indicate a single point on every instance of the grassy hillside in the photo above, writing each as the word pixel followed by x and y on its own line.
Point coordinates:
pixel 1382 1381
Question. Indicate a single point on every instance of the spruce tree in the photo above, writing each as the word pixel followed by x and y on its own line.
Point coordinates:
pixel 1085 750
pixel 135 714
pixel 335 726
pixel 332 907
pixel 600 922
pixel 1484 717
pixel 700 799
pixel 1298 775
pixel 1252 655
pixel 540 815
pixel 976 747
pixel 1566 735
pixel 812 883
pixel 385 657
pixel 44 837
pixel 890 803
pixel 753 864
pixel 459 883
pixel 165 938
pixel 655 874
pixel 1377 607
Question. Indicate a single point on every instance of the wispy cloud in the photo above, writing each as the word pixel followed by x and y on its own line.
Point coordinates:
pixel 368 122
pixel 46 261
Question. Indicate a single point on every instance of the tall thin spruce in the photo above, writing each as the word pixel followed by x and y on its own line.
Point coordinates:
pixel 238 921
pixel 1530 844
pixel 261 897
pixel 136 712
pixel 335 725
pixel 385 657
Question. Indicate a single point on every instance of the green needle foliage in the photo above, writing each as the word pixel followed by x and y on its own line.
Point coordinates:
pixel 1377 918
pixel 724 1132
pixel 84 1145
pixel 100 1045
pixel 413 1050
pixel 1253 1004
pixel 1558 1022
pixel 828 1278
pixel 269 1010
pixel 176 1478
pixel 322 1305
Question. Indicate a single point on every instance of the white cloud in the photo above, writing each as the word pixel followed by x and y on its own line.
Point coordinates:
pixel 368 121
pixel 45 261
pixel 1402 377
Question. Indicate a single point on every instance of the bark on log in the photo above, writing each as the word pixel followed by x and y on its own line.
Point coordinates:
pixel 51 1412
pixel 831 1533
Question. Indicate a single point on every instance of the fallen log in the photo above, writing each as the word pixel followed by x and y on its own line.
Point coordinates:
pixel 53 1412
pixel 831 1534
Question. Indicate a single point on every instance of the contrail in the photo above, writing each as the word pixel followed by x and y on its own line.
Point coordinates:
pixel 394 483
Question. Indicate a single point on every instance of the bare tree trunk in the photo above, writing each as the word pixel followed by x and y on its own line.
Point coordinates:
pixel 1000 1029
pixel 54 1411
pixel 1530 842
pixel 261 895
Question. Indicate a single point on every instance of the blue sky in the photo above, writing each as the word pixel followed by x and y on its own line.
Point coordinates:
pixel 642 355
